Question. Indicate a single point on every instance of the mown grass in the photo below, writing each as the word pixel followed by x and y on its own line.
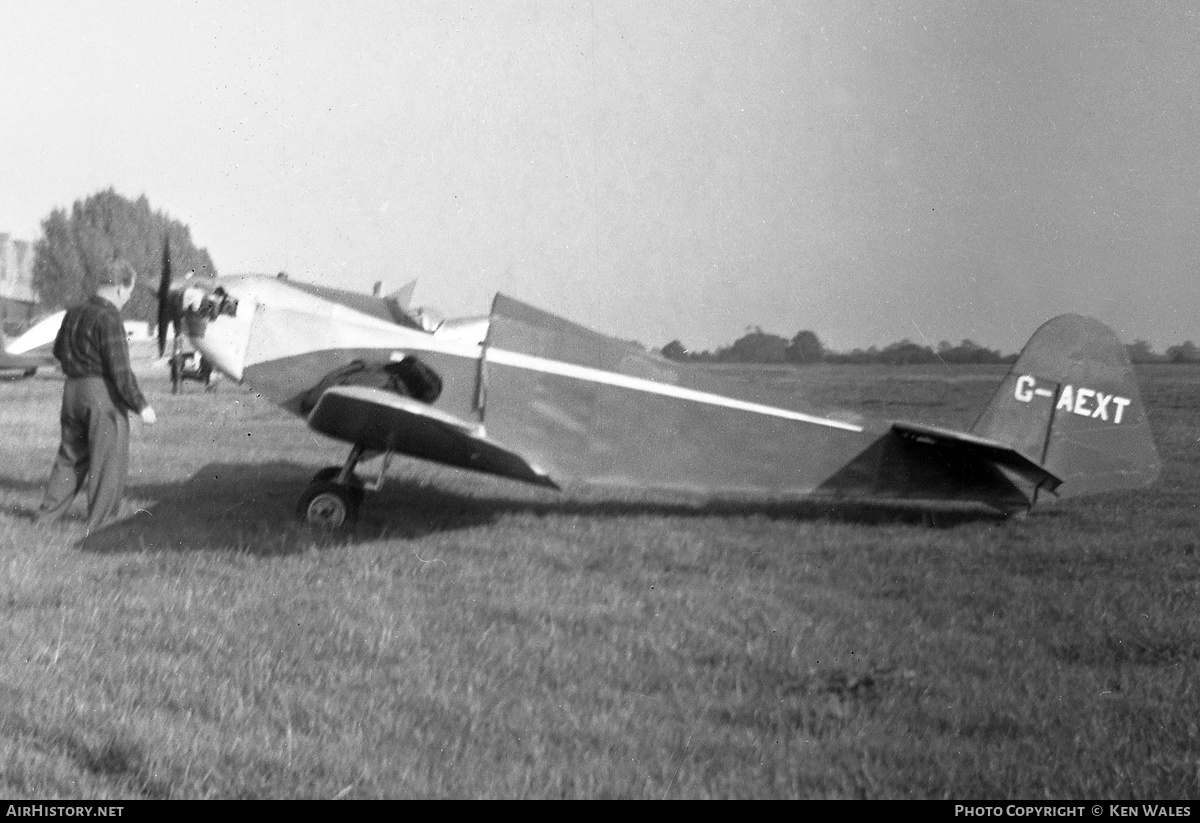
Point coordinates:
pixel 476 638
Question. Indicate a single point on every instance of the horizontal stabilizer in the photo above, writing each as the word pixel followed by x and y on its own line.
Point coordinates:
pixel 382 420
pixel 973 446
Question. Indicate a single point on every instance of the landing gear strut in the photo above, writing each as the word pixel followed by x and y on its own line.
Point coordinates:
pixel 335 493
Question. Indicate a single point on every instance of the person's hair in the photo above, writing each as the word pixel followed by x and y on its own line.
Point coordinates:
pixel 117 273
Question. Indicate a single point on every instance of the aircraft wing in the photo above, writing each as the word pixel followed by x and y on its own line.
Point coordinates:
pixel 21 354
pixel 382 420
pixel 24 362
pixel 39 335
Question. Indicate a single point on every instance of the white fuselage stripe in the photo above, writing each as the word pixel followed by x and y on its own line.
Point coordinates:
pixel 557 367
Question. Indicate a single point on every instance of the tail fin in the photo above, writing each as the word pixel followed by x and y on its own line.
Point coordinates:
pixel 1071 404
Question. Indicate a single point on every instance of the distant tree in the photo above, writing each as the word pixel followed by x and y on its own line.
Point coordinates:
pixel 758 346
pixel 905 353
pixel 675 351
pixel 968 351
pixel 1140 351
pixel 965 351
pixel 755 347
pixel 76 246
pixel 857 356
pixel 805 347
pixel 1185 352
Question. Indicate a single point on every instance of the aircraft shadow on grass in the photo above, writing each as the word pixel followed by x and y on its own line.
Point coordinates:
pixel 250 507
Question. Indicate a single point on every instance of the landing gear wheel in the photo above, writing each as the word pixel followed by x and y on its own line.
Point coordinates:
pixel 328 506
pixel 330 473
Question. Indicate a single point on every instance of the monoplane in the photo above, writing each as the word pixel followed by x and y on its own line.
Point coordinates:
pixel 19 357
pixel 527 395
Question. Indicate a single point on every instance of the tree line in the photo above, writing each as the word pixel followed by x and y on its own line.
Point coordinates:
pixel 76 246
pixel 1140 351
pixel 805 347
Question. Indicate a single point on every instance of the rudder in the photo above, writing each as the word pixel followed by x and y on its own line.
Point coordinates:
pixel 1071 404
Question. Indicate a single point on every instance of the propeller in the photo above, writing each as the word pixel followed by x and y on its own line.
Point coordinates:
pixel 188 303
pixel 165 313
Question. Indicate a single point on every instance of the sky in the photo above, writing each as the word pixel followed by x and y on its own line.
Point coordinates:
pixel 653 169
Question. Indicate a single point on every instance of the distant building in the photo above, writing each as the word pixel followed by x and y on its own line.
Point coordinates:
pixel 18 300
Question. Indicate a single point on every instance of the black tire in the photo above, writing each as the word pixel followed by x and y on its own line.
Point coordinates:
pixel 326 505
pixel 330 473
pixel 326 474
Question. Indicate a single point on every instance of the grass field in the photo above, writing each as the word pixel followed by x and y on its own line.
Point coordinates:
pixel 476 638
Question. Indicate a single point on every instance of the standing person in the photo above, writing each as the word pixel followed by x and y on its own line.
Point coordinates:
pixel 99 392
